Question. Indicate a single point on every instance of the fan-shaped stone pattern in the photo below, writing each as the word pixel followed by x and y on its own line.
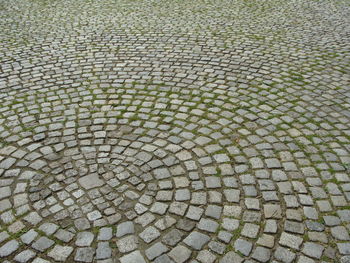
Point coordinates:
pixel 174 131
pixel 126 180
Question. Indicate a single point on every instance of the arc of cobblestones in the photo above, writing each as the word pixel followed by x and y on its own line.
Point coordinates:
pixel 170 131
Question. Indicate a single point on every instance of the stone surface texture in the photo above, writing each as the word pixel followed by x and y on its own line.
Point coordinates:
pixel 174 131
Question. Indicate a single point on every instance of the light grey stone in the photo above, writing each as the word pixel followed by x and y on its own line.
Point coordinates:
pixel 91 181
pixel 149 234
pixel 103 250
pixel 125 228
pixel 155 251
pixel 243 246
pixel 173 237
pixel 284 255
pixel 42 244
pixel 208 225
pixel 313 250
pixel 291 241
pixel 180 254
pixel 196 240
pixel 25 256
pixel 28 237
pixel 105 233
pixel 127 244
pixel 60 253
pixel 85 254
pixel 340 233
pixel 261 254
pixel 84 239
pixel 133 257
pixel 231 257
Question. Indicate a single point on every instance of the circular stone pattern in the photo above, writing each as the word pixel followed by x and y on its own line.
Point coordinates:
pixel 174 131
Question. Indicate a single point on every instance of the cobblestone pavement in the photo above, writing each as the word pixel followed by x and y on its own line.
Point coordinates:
pixel 174 131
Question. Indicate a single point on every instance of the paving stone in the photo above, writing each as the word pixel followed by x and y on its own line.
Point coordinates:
pixel 125 228
pixel 94 215
pixel 212 182
pixel 133 257
pixel 344 248
pixel 85 254
pixel 272 211
pixel 180 254
pixel 231 257
pixel 266 241
pixel 250 230
pixel 205 256
pixel 163 259
pixel 149 234
pixel 33 218
pixel 344 215
pixel 294 227
pixel 340 233
pixel 28 237
pixel 5 192
pixel 60 253
pixel 64 235
pixel 208 225
pixel 178 208
pixel 243 246
pixel 25 256
pixel 310 213
pixel 84 239
pixel 155 251
pixel 3 236
pixel 217 247
pixel 291 241
pixel 16 227
pixel 284 255
pixel 313 250
pixel 127 244
pixel 249 216
pixel 331 220
pixel 199 198
pixel 230 224
pixel 271 226
pixel 194 213
pixel 49 228
pixel 225 236
pixel 82 224
pixel 40 260
pixel 161 173
pixel 185 224
pixel 261 254
pixel 318 237
pixel 314 226
pixel 165 222
pixel 105 233
pixel 103 250
pixel 42 244
pixel 305 259
pixel 173 237
pixel 232 195
pixel 159 208
pixel 196 240
pixel 213 211
pixel 90 181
